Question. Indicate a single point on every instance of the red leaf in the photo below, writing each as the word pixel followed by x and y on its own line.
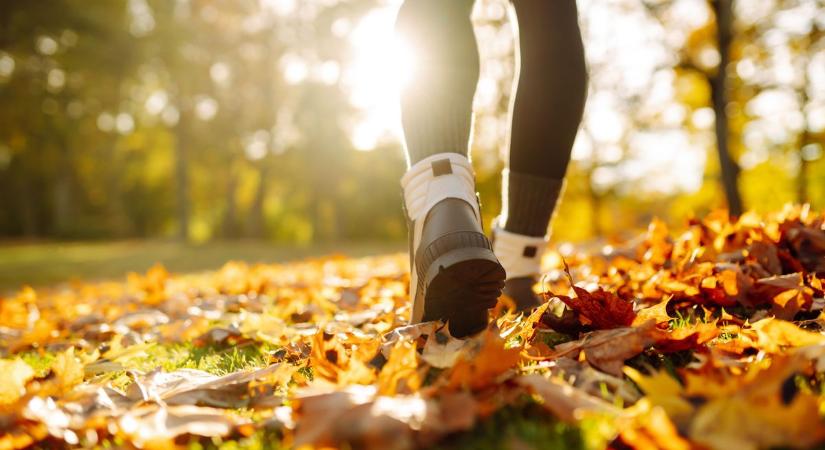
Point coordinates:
pixel 603 309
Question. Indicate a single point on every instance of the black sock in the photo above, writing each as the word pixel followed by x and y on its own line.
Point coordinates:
pixel 530 201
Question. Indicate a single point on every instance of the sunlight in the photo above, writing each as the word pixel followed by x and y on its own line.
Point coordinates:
pixel 382 65
pixel 280 7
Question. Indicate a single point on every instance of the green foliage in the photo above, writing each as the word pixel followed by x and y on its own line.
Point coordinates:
pixel 523 426
pixel 260 440
pixel 151 118
pixel 39 361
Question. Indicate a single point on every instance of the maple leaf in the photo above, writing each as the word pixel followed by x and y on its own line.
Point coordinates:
pixel 787 294
pixel 774 335
pixel 687 337
pixel 657 313
pixel 607 350
pixel 602 309
pixel 747 411
pixel 483 362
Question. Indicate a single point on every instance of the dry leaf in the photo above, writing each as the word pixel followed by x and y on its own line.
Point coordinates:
pixel 14 375
pixel 564 401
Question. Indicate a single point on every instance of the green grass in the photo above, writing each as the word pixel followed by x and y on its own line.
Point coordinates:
pixel 48 263
pixel 524 426
pixel 41 362
pixel 260 440
pixel 217 360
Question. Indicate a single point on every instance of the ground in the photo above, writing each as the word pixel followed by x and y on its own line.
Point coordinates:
pixel 707 336
pixel 44 264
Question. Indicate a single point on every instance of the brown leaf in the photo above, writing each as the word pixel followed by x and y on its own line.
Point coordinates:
pixel 564 401
pixel 608 349
pixel 356 415
pixel 149 424
pixel 244 389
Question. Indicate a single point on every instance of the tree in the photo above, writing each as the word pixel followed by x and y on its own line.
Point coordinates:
pixel 723 10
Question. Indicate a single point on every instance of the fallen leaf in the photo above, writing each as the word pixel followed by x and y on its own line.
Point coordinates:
pixel 483 361
pixel 442 350
pixel 602 309
pixel 14 375
pixel 564 401
pixel 149 424
pixel 608 349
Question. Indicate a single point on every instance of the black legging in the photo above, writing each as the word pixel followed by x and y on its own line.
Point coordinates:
pixel 551 85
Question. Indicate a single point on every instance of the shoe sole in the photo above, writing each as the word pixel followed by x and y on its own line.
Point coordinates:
pixel 461 286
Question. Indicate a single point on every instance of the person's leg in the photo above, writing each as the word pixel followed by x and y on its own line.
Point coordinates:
pixel 546 111
pixel 454 274
pixel 437 104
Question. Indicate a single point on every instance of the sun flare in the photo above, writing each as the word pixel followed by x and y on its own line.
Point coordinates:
pixel 382 65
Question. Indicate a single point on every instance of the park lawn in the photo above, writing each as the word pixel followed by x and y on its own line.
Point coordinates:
pixel 709 339
pixel 42 264
pixel 523 425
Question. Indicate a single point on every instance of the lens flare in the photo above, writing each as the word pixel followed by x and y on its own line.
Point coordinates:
pixel 382 65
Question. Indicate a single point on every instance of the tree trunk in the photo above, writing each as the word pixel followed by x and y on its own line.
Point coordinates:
pixel 256 214
pixel 718 83
pixel 120 224
pixel 28 215
pixel 62 206
pixel 802 177
pixel 230 223
pixel 182 177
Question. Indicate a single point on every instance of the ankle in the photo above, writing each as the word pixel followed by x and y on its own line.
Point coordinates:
pixel 530 202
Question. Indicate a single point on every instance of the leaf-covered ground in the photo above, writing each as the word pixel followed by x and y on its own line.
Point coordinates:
pixel 709 337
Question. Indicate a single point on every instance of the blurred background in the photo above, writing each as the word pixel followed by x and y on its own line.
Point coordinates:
pixel 150 125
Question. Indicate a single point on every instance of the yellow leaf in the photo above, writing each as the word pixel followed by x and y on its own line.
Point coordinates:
pixel 773 334
pixel 648 427
pixel 658 312
pixel 664 391
pixel 749 423
pixel 68 369
pixel 14 375
pixel 400 374
pixel 481 368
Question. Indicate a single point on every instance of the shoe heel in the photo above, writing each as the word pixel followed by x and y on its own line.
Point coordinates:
pixel 461 280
